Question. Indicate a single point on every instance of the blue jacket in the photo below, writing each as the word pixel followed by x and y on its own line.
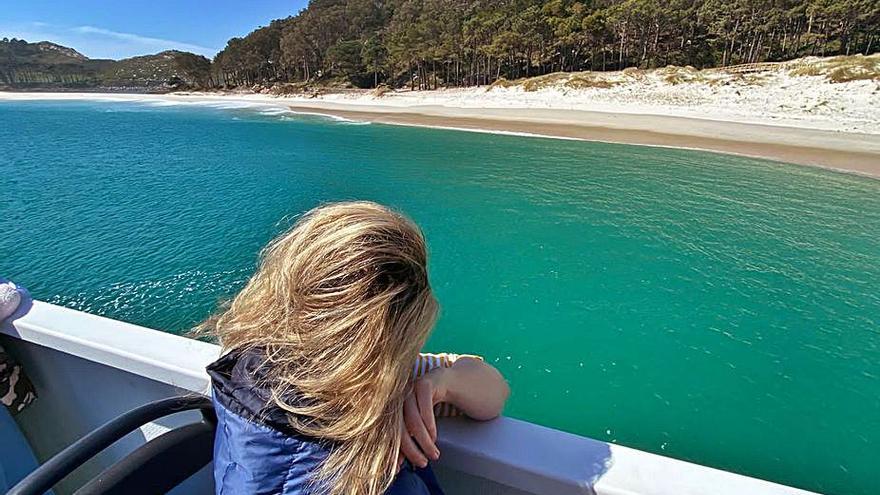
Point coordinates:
pixel 256 451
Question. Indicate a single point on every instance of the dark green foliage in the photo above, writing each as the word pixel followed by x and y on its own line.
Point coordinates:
pixel 430 43
pixel 425 44
pixel 345 58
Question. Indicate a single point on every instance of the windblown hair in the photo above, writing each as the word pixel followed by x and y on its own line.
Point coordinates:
pixel 341 305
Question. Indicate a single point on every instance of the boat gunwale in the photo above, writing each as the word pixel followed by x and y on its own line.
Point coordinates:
pixel 507 451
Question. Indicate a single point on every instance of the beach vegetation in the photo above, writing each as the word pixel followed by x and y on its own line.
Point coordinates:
pixel 545 81
pixel 634 73
pixel 381 90
pixel 840 69
pixel 502 83
pixel 672 74
pixel 588 80
pixel 570 80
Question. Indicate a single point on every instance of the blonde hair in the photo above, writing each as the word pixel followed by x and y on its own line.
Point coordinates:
pixel 341 305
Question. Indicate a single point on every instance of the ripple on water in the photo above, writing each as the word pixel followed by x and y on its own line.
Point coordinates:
pixel 718 309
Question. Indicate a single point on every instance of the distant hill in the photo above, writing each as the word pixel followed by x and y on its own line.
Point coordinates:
pixel 171 68
pixel 43 52
pixel 46 65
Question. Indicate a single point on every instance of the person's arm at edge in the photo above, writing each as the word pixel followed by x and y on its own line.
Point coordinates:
pixel 473 386
pixel 470 385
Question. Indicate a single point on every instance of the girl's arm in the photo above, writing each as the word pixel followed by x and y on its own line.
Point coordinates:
pixel 469 384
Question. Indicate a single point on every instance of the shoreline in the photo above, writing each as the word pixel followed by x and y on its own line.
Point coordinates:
pixel 852 153
pixel 841 151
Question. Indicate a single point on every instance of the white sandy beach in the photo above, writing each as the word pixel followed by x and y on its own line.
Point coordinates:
pixel 797 119
pixel 779 99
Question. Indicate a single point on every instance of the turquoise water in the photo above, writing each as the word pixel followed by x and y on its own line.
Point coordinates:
pixel 716 309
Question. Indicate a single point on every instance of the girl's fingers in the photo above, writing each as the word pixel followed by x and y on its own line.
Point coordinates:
pixel 415 425
pixel 425 399
pixel 412 452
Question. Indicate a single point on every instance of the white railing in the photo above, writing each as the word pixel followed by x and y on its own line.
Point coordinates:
pixel 509 452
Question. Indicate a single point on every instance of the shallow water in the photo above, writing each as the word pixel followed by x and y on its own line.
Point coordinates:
pixel 717 309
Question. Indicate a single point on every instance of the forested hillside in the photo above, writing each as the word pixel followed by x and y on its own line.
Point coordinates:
pixel 46 65
pixel 433 43
pixel 426 44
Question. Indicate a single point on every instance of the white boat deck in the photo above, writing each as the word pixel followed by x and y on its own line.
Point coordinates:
pixel 88 369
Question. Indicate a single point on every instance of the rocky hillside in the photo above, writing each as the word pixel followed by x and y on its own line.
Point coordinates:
pixel 45 65
pixel 169 68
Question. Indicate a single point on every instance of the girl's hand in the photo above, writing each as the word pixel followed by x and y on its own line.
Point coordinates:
pixel 420 428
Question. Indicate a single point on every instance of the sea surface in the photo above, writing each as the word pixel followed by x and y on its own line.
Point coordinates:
pixel 717 309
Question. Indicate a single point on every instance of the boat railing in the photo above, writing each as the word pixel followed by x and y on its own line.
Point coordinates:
pixel 507 452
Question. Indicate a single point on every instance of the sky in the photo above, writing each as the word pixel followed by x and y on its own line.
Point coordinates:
pixel 126 28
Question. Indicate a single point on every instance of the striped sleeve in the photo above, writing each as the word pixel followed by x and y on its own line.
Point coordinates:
pixel 426 362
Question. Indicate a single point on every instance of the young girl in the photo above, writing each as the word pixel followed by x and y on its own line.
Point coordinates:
pixel 321 388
